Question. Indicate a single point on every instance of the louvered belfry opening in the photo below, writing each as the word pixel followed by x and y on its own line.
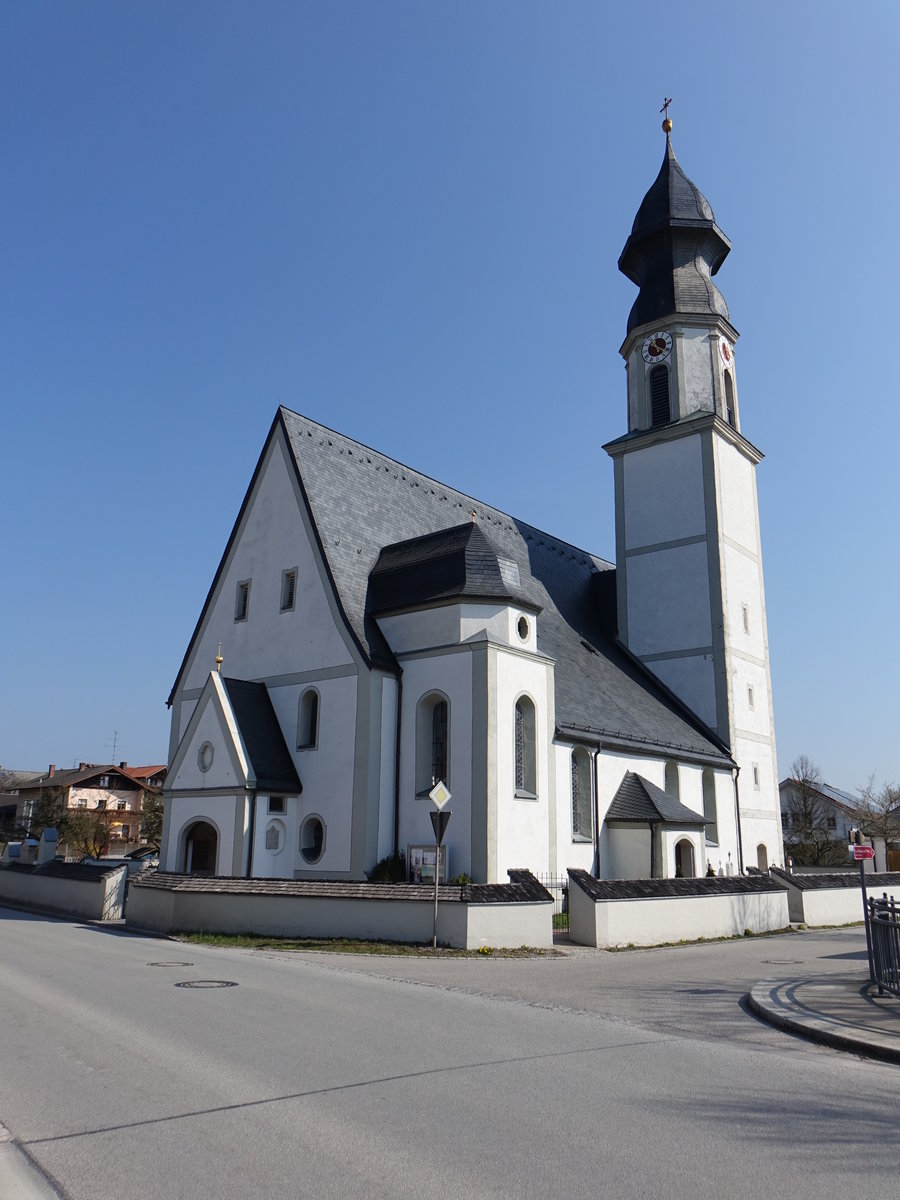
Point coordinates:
pixel 660 413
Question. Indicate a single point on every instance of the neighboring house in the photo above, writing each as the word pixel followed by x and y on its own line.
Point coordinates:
pixel 382 631
pixel 831 810
pixel 809 815
pixel 114 793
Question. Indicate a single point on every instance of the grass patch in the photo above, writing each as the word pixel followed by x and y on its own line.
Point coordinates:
pixel 258 941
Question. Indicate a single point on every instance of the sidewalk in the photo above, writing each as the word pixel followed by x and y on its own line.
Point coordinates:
pixel 844 1011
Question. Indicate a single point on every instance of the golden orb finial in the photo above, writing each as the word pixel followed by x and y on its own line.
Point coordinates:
pixel 667 121
pixel 219 658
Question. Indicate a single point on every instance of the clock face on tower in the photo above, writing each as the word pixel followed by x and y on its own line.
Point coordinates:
pixel 657 347
pixel 726 352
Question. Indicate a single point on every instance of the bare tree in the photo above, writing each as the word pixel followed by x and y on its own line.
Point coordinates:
pixel 807 836
pixel 878 814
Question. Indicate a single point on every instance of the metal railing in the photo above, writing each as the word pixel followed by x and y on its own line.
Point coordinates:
pixel 558 887
pixel 883 923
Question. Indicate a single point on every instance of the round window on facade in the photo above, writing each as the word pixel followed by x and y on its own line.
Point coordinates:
pixel 205 756
pixel 312 839
pixel 523 628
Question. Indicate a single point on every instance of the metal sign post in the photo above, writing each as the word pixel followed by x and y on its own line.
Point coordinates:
pixel 860 854
pixel 440 819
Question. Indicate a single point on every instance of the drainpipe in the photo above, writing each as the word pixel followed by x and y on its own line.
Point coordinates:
pixel 737 820
pixel 654 856
pixel 397 767
pixel 249 874
pixel 596 868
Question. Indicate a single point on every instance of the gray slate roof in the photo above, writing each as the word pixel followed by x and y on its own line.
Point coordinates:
pixel 272 764
pixel 639 800
pixel 461 562
pixel 674 248
pixel 361 501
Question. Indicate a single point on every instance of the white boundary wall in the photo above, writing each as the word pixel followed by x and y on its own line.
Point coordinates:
pixel 835 905
pixel 461 925
pixel 101 898
pixel 650 922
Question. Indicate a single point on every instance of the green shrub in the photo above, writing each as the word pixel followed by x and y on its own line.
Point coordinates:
pixel 391 869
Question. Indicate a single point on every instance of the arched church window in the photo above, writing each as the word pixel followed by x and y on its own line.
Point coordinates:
pixel 709 807
pixel 729 399
pixel 526 766
pixel 432 743
pixel 660 412
pixel 582 809
pixel 308 720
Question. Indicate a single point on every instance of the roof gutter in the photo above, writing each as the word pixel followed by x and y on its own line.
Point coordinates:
pixel 397 763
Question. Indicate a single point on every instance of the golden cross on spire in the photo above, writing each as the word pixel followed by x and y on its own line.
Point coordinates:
pixel 667 122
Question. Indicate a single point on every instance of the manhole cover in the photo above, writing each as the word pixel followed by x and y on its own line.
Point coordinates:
pixel 170 964
pixel 207 983
pixel 781 962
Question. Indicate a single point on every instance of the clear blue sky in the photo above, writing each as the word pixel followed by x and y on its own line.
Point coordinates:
pixel 403 219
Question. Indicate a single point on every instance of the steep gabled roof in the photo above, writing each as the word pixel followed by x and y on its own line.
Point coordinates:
pixel 639 800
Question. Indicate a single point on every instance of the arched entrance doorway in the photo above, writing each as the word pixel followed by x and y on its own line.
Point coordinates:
pixel 200 846
pixel 762 857
pixel 684 859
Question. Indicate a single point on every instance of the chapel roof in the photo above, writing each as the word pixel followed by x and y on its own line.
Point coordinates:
pixel 457 563
pixel 362 502
pixel 272 764
pixel 639 800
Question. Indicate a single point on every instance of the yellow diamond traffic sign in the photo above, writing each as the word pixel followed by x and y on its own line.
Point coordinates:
pixel 439 793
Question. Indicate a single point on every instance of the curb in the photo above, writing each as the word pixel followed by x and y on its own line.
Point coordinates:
pixel 20 1176
pixel 816 1028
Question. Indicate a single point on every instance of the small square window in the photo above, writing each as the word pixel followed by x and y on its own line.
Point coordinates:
pixel 831 822
pixel 242 600
pixel 276 804
pixel 288 589
pixel 120 805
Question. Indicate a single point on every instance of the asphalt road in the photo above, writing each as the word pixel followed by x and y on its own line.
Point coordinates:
pixel 601 1075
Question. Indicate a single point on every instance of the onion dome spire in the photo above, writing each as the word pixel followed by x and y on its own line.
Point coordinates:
pixel 675 248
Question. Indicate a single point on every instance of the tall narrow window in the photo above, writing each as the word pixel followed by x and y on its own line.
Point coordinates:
pixel 288 588
pixel 526 771
pixel 672 788
pixel 660 413
pixel 432 742
pixel 308 720
pixel 242 600
pixel 439 742
pixel 729 399
pixel 582 824
pixel 709 807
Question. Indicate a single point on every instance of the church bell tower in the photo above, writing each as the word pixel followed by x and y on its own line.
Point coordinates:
pixel 690 596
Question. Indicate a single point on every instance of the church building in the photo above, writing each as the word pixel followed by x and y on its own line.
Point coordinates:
pixel 382 632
